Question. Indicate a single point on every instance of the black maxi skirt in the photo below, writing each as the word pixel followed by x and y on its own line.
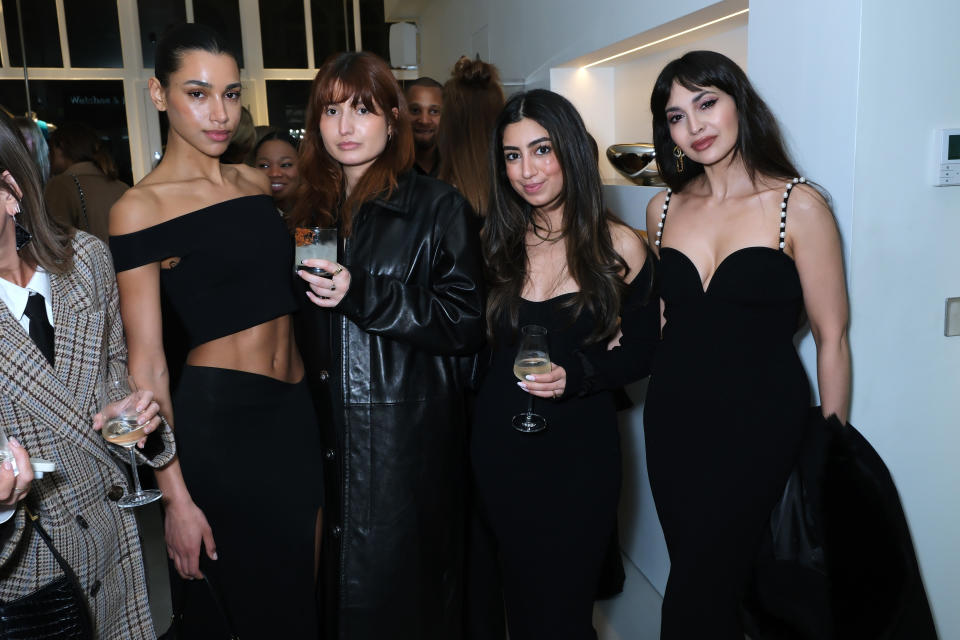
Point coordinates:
pixel 249 448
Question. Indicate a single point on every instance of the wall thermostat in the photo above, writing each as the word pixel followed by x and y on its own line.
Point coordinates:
pixel 948 158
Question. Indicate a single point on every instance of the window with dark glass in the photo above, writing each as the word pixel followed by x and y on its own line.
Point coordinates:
pixel 287 103
pixel 332 22
pixel 374 30
pixel 40 30
pixel 156 16
pixel 223 16
pixel 97 103
pixel 93 33
pixel 283 34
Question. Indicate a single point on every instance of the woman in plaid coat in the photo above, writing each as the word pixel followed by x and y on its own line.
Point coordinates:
pixel 48 408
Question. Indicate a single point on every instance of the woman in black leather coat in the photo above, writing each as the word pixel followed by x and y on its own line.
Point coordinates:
pixel 388 341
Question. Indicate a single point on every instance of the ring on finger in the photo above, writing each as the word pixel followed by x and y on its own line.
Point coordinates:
pixel 333 287
pixel 19 490
pixel 338 270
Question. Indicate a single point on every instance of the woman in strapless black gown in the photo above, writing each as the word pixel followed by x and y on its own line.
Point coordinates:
pixel 555 258
pixel 745 247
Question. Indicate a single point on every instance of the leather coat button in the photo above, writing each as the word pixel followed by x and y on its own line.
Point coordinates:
pixel 324 375
pixel 330 454
pixel 337 531
pixel 115 492
pixel 82 522
pixel 95 588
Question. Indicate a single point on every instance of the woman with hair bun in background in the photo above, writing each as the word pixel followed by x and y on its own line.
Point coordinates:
pixel 472 100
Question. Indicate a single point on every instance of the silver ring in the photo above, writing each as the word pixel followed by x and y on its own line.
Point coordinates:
pixel 339 269
pixel 19 490
pixel 333 287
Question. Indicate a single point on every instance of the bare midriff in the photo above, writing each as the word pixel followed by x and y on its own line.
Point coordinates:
pixel 267 349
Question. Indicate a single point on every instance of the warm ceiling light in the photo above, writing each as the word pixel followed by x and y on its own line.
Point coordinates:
pixel 676 35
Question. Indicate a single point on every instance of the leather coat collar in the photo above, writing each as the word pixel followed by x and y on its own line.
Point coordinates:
pixel 400 199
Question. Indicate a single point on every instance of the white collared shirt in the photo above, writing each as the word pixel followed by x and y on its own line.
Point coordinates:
pixel 15 297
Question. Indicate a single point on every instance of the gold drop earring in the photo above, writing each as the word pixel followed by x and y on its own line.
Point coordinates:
pixel 678 154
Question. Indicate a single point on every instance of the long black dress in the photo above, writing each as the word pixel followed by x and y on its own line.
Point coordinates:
pixel 550 498
pixel 233 270
pixel 724 416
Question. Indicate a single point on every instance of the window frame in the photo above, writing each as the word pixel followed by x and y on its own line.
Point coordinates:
pixel 143 122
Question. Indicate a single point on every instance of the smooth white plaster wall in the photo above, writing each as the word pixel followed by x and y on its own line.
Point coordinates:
pixel 905 263
pixel 860 95
pixel 528 37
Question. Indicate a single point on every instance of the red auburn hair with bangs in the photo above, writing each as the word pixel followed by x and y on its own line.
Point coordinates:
pixel 361 78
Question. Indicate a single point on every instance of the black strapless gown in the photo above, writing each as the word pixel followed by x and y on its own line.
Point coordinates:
pixel 724 416
pixel 551 497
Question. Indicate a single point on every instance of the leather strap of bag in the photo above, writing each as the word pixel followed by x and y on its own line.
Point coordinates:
pixel 34 519
pixel 83 203
pixel 221 607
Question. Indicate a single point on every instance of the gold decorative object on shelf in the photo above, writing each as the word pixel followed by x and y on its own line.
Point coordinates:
pixel 636 161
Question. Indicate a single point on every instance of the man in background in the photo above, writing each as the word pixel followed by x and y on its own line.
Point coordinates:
pixel 425 102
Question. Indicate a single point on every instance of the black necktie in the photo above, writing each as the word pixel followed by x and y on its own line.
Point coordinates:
pixel 41 331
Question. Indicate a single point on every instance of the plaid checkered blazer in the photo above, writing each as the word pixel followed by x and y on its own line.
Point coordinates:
pixel 49 411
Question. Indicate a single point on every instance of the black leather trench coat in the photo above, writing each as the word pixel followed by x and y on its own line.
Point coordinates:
pixel 388 368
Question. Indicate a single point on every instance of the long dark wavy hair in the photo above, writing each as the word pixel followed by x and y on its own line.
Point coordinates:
pixel 363 78
pixel 592 261
pixel 50 247
pixel 759 141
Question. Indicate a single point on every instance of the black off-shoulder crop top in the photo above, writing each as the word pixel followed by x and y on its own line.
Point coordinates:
pixel 234 265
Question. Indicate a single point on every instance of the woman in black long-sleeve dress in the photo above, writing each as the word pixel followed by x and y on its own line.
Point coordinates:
pixel 555 258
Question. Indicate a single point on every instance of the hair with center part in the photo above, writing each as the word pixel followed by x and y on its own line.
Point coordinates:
pixel 50 247
pixel 759 142
pixel 357 78
pixel 472 100
pixel 592 261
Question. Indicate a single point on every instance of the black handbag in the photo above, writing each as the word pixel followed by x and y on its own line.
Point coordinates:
pixel 57 611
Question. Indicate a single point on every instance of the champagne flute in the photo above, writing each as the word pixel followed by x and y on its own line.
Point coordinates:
pixel 315 242
pixel 532 358
pixel 118 404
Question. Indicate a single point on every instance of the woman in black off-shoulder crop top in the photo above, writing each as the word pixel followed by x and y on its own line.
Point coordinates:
pixel 208 236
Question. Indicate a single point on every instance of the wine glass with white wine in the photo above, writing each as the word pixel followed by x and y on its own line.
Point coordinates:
pixel 532 358
pixel 118 402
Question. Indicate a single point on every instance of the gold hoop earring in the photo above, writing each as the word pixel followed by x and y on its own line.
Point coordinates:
pixel 678 154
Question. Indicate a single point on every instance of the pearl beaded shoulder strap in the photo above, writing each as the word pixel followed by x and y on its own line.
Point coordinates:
pixel 783 212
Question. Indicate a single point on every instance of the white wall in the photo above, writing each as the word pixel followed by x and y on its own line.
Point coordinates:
pixel 528 37
pixel 905 263
pixel 860 95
